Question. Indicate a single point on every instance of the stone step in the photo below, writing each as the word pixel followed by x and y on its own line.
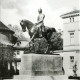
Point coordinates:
pixel 24 77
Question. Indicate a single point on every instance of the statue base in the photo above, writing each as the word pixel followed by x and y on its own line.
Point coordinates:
pixel 41 65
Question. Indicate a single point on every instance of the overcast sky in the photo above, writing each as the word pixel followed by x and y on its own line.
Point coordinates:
pixel 12 11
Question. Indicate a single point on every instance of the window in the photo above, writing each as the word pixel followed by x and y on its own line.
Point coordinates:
pixel 18 43
pixel 18 52
pixel 71 58
pixel 71 61
pixel 71 19
pixel 71 38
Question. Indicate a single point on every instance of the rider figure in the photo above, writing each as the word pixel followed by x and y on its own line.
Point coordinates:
pixel 40 23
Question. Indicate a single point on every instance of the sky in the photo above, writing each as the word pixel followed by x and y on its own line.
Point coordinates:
pixel 12 11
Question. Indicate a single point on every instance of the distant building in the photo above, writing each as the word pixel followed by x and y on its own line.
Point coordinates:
pixel 71 42
pixel 71 30
pixel 19 48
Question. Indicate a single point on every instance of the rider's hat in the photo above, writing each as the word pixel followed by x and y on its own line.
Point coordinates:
pixel 39 10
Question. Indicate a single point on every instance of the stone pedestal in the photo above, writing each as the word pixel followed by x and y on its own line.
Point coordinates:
pixel 41 64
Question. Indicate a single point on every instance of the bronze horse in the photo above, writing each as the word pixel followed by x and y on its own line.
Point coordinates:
pixel 32 29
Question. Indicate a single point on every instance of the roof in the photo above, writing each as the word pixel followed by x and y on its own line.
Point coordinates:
pixel 71 14
pixel 4 27
pixel 4 39
pixel 21 37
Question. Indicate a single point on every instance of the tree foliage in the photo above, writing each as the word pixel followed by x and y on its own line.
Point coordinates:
pixel 56 42
pixel 6 56
pixel 18 31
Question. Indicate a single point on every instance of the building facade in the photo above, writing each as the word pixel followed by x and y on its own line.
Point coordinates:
pixel 71 42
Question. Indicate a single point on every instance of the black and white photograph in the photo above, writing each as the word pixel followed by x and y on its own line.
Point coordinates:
pixel 39 39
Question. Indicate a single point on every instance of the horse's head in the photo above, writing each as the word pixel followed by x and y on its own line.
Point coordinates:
pixel 23 25
pixel 26 23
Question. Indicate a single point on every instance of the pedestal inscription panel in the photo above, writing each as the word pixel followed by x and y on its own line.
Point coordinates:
pixel 40 64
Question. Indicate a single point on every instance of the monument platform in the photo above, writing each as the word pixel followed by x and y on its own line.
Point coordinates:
pixel 41 64
pixel 40 67
pixel 24 77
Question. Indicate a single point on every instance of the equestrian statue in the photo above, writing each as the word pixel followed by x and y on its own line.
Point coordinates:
pixel 39 33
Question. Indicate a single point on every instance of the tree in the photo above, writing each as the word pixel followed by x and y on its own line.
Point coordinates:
pixel 56 42
pixel 6 56
pixel 18 31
